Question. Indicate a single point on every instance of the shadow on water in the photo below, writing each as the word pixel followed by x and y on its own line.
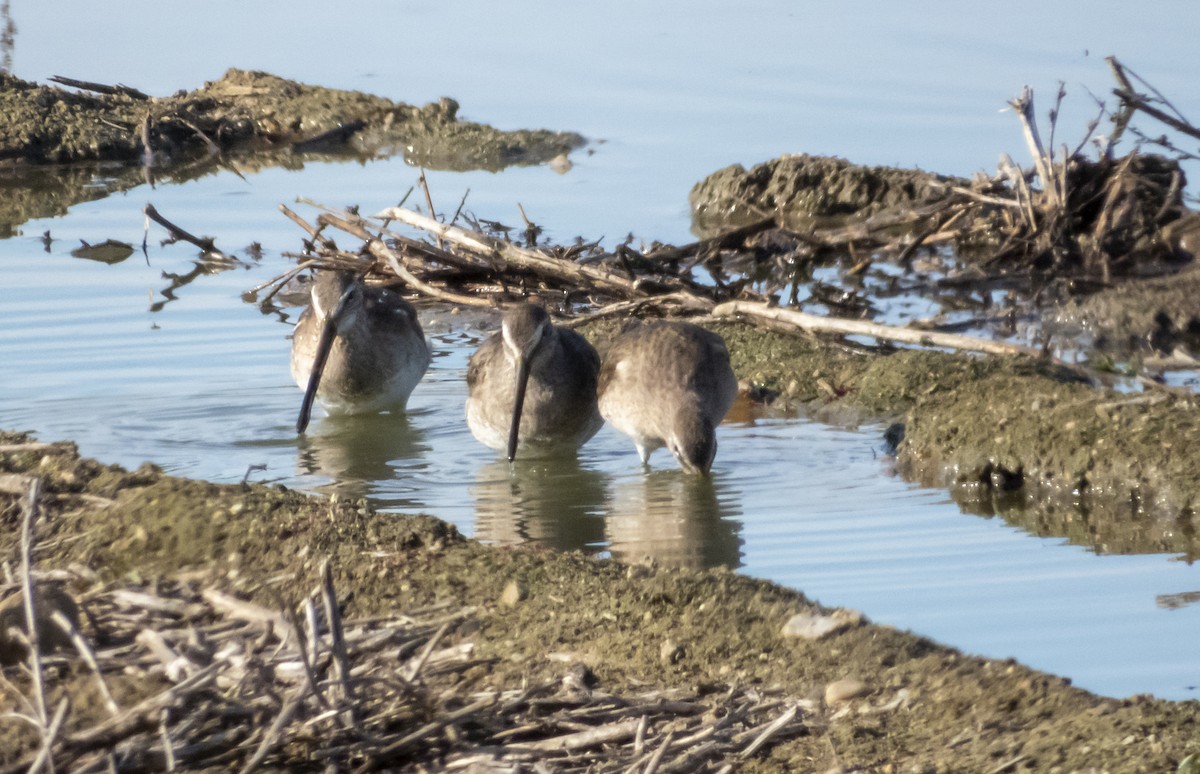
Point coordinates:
pixel 675 519
pixel 357 454
pixel 554 503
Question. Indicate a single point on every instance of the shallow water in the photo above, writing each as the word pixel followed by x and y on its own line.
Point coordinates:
pixel 201 385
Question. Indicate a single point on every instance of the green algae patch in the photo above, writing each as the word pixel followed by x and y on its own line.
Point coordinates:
pixel 922 706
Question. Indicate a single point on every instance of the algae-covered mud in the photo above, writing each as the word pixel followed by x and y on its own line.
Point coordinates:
pixel 868 697
pixel 59 146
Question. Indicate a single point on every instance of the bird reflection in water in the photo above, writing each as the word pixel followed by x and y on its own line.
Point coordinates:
pixel 676 520
pixel 358 452
pixel 551 502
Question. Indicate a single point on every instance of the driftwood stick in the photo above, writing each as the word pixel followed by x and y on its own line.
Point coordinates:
pixel 139 717
pixel 28 515
pixel 1138 102
pixel 816 323
pixel 204 243
pixel 100 88
pixel 1130 96
pixel 771 730
pixel 1044 163
pixel 688 301
pixel 164 732
pixel 536 261
pixel 384 253
pixel 380 759
pixel 423 656
pixel 580 740
pixel 248 611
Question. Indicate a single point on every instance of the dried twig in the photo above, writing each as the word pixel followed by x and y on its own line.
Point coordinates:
pixel 204 243
pixel 816 323
pixel 32 625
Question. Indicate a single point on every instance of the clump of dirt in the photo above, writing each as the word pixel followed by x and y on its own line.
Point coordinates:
pixel 255 111
pixel 254 118
pixel 800 189
pixel 1139 316
pixel 920 706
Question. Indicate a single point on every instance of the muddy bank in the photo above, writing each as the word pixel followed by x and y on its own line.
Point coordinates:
pixel 802 189
pixel 1139 317
pixel 921 706
pixel 55 143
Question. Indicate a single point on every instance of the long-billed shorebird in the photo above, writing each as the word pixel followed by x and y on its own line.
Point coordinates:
pixel 668 384
pixel 533 385
pixel 357 348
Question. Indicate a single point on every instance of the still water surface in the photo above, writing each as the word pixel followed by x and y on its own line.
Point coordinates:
pixel 668 92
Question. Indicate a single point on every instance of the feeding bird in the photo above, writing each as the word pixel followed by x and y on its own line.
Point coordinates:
pixel 356 348
pixel 668 384
pixel 533 385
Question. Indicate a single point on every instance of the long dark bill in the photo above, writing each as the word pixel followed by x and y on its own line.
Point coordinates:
pixel 518 404
pixel 324 344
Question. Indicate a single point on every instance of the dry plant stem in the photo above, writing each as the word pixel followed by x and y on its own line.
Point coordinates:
pixel 423 656
pixel 771 730
pixel 31 622
pixel 428 202
pixel 430 728
pixel 1129 95
pixel 815 323
pixel 333 618
pixel 313 232
pixel 275 733
pixel 89 658
pixel 656 760
pixel 43 757
pixel 1044 164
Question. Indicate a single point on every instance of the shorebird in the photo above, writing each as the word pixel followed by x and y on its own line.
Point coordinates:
pixel 532 384
pixel 357 349
pixel 668 384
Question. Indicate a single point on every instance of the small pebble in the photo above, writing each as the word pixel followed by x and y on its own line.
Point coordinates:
pixel 815 625
pixel 669 652
pixel 844 690
pixel 513 593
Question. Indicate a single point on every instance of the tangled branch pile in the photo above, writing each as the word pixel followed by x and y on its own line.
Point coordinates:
pixel 209 680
